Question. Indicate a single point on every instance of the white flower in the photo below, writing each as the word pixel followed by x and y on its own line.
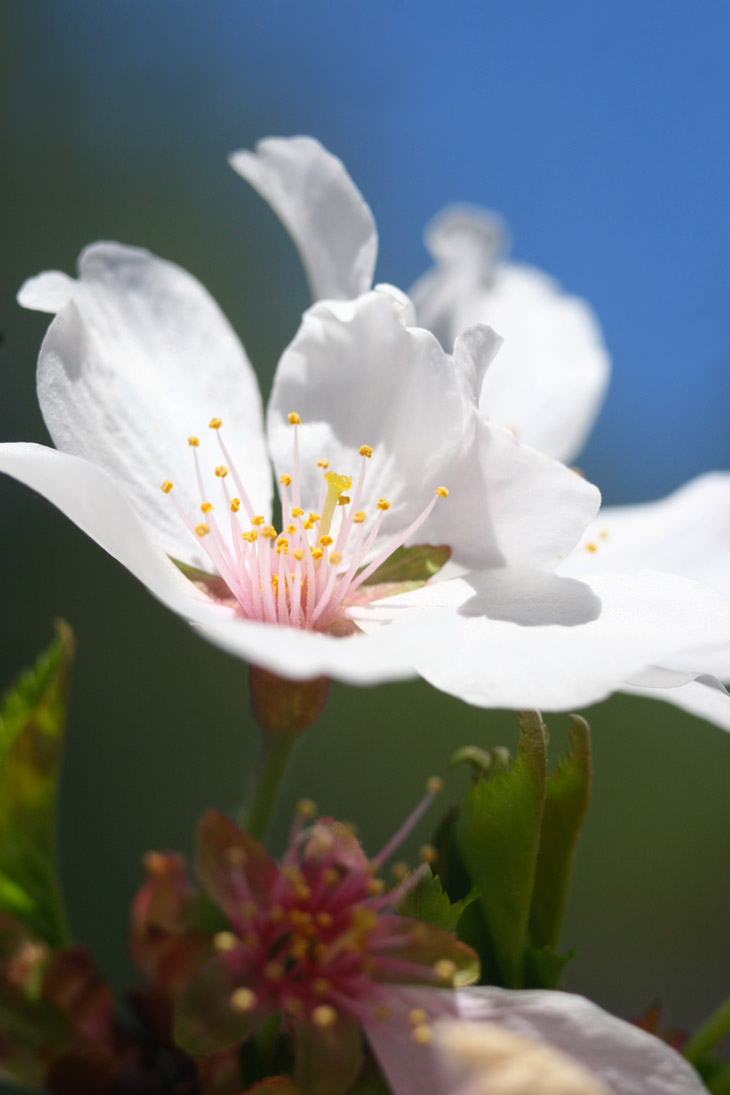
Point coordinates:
pixel 139 360
pixel 524 1043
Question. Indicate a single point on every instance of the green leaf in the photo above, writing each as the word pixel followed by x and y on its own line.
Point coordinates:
pixel 411 564
pixel 544 967
pixel 32 720
pixel 430 903
pixel 566 801
pixel 498 835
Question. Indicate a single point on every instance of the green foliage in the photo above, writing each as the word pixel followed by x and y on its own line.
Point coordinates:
pixel 430 903
pixel 411 565
pixel 32 721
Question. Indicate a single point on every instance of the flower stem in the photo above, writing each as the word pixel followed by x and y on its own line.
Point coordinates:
pixel 266 781
pixel 710 1033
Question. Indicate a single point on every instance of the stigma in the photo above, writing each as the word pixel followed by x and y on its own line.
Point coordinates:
pixel 305 574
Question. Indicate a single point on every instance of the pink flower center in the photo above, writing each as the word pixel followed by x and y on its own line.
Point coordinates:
pixel 303 575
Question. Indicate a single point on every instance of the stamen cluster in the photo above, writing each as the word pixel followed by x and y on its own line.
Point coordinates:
pixel 302 575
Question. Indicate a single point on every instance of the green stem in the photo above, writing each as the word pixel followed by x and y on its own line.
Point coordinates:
pixel 710 1033
pixel 264 787
pixel 720 1085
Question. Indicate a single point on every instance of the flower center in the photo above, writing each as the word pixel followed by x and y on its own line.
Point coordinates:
pixel 303 575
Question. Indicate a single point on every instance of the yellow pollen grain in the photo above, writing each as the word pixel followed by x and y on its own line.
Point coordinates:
pixel 243 1000
pixel 331 876
pixel 320 986
pixel 335 557
pixel 313 517
pixel 274 971
pixel 215 423
pixel 297 511
pixel 383 504
pixel 445 969
pixel 590 546
pixel 285 479
pixel 358 517
pixel 325 541
pixel 422 1035
pixel 344 500
pixel 299 948
pixel 206 507
pixel 443 492
pixel 382 1011
pixel 323 463
pixel 434 784
pixel 427 853
pixel 166 486
pixel 366 450
pixel 294 418
pixel 221 471
pixel 268 532
pixel 417 1016
pixel 324 919
pixel 202 529
pixel 193 441
pixel 235 505
pixel 317 553
pixel 375 886
pixel 224 941
pixel 324 1016
pixel 298 554
pixel 275 581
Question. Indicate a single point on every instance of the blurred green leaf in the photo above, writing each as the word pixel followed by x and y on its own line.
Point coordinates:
pixel 32 721
pixel 411 564
pixel 544 967
pixel 430 903
pixel 498 836
pixel 567 795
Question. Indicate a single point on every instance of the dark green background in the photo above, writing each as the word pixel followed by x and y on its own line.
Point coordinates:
pixel 115 126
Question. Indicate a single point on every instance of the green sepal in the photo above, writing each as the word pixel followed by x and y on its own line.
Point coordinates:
pixel 544 967
pixel 567 795
pixel 498 836
pixel 411 566
pixel 430 903
pixel 32 722
pixel 328 1059
pixel 484 762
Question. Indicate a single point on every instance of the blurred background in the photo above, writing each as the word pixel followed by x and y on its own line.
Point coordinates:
pixel 600 131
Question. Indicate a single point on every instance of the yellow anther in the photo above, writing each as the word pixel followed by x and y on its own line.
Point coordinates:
pixel 258 519
pixel 250 535
pixel 206 507
pixel 275 581
pixel 399 870
pixel 282 541
pixel 285 479
pixel 274 971
pixel 317 553
pixel 375 886
pixel 331 876
pixel 590 546
pixel 343 500
pixel 363 918
pixel 202 529
pixel 324 1016
pixel 313 517
pixel 320 986
pixel 366 450
pixel 299 948
pixel 306 809
pixel 323 463
pixel 243 1000
pixel 268 532
pixel 383 504
pixel 308 525
pixel 291 529
pixel 193 441
pixel 445 970
pixel 221 471
pixel 434 784
pixel 427 853
pixel 166 486
pixel 417 1016
pixel 215 423
pixel 443 492
pixel 422 1035
pixel 297 511
pixel 335 557
pixel 294 418
pixel 154 862
pixel 324 919
pixel 298 554
pixel 235 505
pixel 224 941
pixel 382 1011
pixel 325 541
pixel 358 517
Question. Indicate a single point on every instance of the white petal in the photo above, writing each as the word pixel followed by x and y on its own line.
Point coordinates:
pixel 312 194
pixel 46 292
pixel 493 645
pixel 629 1060
pixel 548 381
pixel 358 375
pixel 139 358
pixel 704 697
pixel 687 533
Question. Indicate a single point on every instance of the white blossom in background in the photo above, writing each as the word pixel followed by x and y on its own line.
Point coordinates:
pixel 546 383
pixel 378 437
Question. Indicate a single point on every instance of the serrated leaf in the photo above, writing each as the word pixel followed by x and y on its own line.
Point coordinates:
pixel 430 903
pixel 32 721
pixel 411 564
pixel 498 835
pixel 544 967
pixel 566 801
